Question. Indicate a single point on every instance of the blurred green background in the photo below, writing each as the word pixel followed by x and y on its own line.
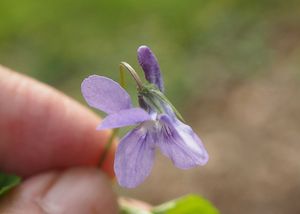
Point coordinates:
pixel 60 42
pixel 231 66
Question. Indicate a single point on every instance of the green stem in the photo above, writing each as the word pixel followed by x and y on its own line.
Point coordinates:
pixel 107 147
pixel 133 74
pixel 123 84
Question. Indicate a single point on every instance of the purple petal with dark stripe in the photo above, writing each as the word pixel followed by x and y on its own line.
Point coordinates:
pixel 179 143
pixel 134 157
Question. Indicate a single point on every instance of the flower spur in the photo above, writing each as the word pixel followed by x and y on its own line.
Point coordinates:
pixel 156 120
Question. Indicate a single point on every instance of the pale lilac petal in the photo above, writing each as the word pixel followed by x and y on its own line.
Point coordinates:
pixel 134 157
pixel 123 118
pixel 105 94
pixel 181 144
pixel 150 66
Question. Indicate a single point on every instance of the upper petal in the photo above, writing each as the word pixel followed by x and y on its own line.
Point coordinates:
pixel 123 118
pixel 150 66
pixel 181 144
pixel 105 94
pixel 134 157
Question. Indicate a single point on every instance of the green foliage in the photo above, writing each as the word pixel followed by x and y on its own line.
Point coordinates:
pixel 190 204
pixel 200 44
pixel 7 182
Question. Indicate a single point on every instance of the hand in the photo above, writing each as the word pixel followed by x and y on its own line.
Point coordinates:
pixel 43 133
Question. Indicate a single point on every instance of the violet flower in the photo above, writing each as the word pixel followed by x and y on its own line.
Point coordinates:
pixel 157 124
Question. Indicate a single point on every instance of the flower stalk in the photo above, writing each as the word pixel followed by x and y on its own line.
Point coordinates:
pixel 123 84
pixel 133 74
pixel 107 147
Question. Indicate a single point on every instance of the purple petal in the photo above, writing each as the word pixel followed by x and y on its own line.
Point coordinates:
pixel 123 118
pixel 150 66
pixel 105 94
pixel 134 157
pixel 181 144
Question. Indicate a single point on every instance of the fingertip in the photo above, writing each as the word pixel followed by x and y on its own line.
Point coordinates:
pixel 77 190
pixel 80 191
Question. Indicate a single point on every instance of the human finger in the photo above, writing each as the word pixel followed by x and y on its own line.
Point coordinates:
pixel 42 129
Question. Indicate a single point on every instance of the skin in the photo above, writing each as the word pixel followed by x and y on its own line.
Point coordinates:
pixel 50 140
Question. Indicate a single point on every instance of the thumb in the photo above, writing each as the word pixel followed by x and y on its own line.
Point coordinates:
pixel 77 191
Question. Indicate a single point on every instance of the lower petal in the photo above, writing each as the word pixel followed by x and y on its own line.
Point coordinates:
pixel 134 157
pixel 181 144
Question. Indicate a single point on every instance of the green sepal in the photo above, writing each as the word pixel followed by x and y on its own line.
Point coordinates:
pixel 150 90
pixel 7 182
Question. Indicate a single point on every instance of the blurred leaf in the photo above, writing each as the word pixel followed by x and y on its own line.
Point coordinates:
pixel 189 204
pixel 186 205
pixel 7 182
